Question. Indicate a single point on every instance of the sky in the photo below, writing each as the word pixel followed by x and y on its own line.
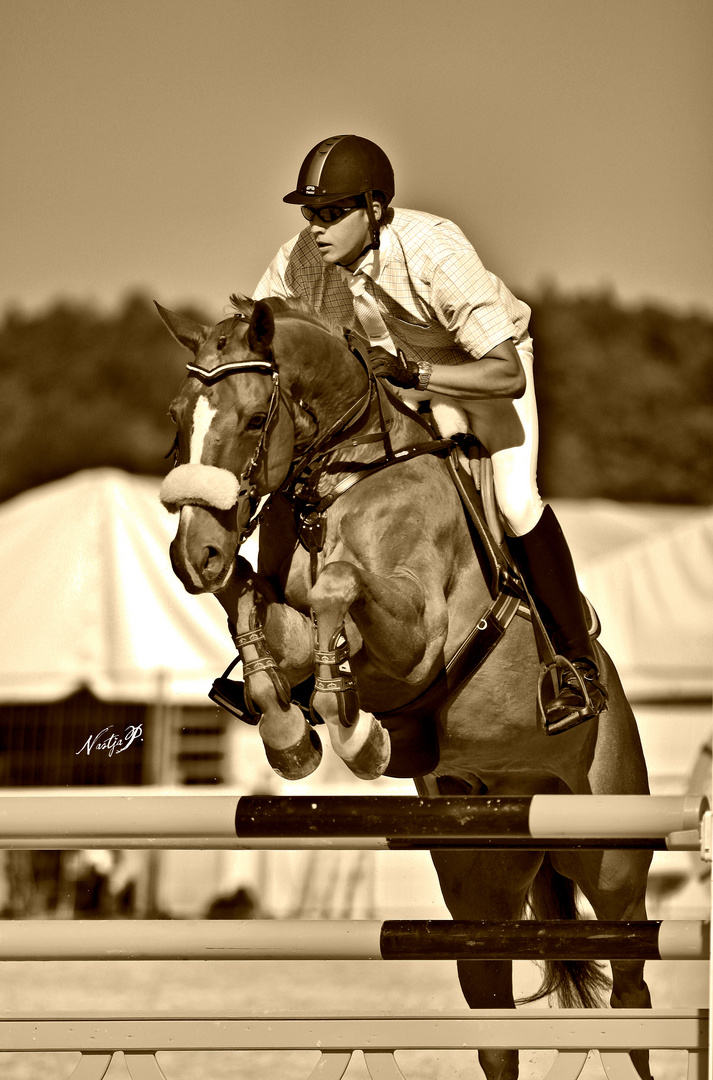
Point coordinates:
pixel 147 144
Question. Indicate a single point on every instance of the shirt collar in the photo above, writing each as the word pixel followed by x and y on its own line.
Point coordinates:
pixel 374 261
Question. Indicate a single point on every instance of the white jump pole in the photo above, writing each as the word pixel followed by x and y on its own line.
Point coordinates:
pixel 157 819
pixel 351 940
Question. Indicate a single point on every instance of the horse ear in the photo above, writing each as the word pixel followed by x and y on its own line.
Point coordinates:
pixel 262 328
pixel 187 331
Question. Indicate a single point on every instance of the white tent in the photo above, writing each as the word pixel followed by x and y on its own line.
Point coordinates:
pixel 649 572
pixel 88 597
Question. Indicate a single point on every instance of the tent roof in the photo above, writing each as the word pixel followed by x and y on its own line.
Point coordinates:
pixel 88 596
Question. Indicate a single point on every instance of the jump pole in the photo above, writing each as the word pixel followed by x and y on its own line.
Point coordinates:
pixel 392 939
pixel 51 820
pixel 176 820
pixel 611 1031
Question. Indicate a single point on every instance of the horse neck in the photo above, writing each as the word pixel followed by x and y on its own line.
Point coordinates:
pixel 320 365
pixel 321 370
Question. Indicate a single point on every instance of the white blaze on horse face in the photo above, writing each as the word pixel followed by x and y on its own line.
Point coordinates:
pixel 187 513
pixel 203 415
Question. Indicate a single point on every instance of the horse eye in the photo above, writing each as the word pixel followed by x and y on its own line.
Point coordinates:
pixel 256 422
pixel 221 343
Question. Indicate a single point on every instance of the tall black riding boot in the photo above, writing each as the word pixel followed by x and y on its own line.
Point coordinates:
pixel 544 559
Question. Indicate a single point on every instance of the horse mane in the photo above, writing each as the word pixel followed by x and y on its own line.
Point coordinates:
pixel 295 307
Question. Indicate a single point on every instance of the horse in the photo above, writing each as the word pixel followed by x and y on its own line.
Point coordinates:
pixel 368 580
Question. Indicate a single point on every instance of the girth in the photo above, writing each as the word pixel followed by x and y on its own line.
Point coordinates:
pixel 470 656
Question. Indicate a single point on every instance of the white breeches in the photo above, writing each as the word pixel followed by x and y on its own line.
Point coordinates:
pixel 509 431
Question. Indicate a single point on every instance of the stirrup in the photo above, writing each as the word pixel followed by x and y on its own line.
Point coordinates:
pixel 229 694
pixel 577 716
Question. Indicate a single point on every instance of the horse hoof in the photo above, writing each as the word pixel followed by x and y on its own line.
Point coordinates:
pixel 372 758
pixel 299 760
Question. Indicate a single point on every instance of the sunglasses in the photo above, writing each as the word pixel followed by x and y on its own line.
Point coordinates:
pixel 327 214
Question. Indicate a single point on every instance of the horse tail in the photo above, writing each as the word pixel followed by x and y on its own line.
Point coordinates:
pixel 577 983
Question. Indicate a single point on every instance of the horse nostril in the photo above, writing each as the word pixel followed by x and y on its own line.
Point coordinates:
pixel 212 563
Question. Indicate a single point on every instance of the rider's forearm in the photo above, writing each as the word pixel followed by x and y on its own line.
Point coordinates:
pixel 490 377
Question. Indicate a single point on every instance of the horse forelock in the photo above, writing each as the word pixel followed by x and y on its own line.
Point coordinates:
pixel 242 305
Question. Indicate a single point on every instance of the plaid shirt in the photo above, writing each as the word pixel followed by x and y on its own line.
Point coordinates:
pixel 438 301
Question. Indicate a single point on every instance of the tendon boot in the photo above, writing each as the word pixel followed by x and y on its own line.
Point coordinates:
pixel 543 557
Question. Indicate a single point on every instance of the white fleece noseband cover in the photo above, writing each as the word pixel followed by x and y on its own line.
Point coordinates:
pixel 199 485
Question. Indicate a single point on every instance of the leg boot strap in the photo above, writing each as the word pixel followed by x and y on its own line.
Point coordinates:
pixel 339 681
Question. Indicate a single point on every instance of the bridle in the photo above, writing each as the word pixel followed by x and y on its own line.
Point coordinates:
pixel 242 491
pixel 247 498
pixel 183 486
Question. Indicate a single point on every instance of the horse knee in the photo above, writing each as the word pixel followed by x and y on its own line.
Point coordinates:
pixel 336 589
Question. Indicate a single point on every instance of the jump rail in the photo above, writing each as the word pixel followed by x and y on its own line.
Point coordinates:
pixel 392 939
pixel 161 820
pixel 177 820
pixel 614 1033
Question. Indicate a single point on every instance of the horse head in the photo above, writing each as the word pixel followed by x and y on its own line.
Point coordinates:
pixel 252 401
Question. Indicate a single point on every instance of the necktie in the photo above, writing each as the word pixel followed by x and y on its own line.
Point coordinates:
pixel 368 314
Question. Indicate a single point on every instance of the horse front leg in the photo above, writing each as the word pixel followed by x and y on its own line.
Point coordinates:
pixel 403 627
pixel 292 747
pixel 357 737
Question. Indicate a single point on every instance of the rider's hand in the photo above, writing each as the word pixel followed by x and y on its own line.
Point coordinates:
pixel 396 369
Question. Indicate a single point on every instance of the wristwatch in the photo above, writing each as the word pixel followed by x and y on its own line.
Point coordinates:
pixel 425 368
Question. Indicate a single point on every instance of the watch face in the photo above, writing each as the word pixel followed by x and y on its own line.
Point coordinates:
pixel 424 374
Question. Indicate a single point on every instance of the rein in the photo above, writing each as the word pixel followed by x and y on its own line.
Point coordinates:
pixel 383 434
pixel 299 485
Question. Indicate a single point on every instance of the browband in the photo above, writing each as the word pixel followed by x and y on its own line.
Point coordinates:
pixel 222 370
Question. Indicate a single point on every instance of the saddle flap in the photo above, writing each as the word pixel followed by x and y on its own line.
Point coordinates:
pixel 491 556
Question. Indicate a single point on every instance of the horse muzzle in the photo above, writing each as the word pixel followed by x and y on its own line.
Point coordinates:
pixel 212 505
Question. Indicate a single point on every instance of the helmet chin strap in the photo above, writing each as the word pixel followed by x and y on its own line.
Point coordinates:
pixel 373 225
pixel 372 222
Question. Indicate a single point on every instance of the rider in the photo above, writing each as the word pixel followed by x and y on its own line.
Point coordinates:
pixel 413 285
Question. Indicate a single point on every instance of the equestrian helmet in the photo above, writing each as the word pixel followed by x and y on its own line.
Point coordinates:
pixel 340 167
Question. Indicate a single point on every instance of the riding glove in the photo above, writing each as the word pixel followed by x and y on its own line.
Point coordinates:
pixel 395 369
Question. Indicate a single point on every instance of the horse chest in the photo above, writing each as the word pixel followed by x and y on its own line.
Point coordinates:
pixel 296 582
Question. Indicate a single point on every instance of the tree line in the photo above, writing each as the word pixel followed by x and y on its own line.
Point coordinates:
pixel 625 396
